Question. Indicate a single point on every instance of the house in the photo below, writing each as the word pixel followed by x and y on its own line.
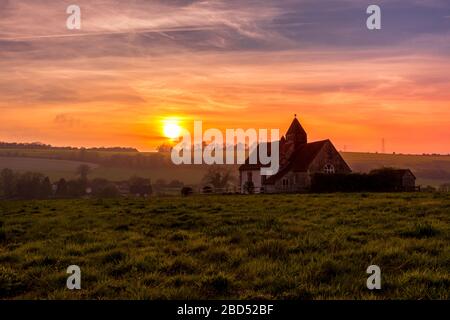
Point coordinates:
pixel 396 179
pixel 299 161
pixel 405 179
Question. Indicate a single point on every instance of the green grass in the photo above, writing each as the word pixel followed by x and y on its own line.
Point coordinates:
pixel 209 247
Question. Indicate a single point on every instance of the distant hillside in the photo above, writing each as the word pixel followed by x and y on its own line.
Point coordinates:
pixel 119 165
pixel 429 169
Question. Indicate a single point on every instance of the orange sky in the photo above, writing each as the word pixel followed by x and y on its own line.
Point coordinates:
pixel 228 65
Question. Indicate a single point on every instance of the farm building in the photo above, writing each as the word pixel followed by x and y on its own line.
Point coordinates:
pixel 299 161
pixel 396 179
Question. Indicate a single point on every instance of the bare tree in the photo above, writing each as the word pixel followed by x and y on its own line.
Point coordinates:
pixel 220 177
pixel 83 171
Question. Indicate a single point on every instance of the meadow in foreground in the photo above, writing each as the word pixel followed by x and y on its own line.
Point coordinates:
pixel 214 247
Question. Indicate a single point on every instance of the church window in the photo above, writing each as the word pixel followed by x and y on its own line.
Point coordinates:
pixel 329 168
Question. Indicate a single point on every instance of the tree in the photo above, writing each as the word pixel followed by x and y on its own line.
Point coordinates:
pixel 46 188
pixel 61 188
pixel 219 177
pixel 8 183
pixel 165 148
pixel 103 188
pixel 175 184
pixel 186 191
pixel 76 188
pixel 140 186
pixel 29 185
pixel 83 170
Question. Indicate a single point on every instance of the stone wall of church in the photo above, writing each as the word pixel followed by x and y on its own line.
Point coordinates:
pixel 301 181
pixel 291 182
pixel 329 156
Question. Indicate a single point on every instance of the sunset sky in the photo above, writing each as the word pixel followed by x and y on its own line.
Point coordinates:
pixel 231 64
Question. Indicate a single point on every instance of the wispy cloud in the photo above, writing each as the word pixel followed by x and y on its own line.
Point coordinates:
pixel 246 63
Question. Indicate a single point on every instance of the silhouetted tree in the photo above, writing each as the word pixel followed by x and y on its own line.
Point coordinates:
pixel 164 148
pixel 46 189
pixel 140 186
pixel 76 188
pixel 103 188
pixel 61 188
pixel 29 185
pixel 8 183
pixel 219 177
pixel 83 170
pixel 175 184
pixel 186 191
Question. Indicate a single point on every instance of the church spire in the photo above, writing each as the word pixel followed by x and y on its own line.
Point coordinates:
pixel 296 133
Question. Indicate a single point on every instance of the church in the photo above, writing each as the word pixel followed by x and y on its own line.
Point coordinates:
pixel 299 161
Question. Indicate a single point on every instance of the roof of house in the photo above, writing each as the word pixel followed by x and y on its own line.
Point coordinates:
pixel 397 173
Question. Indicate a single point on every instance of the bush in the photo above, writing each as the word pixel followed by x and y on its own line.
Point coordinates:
pixel 140 186
pixel 207 189
pixel 186 191
pixel 381 180
pixel 102 188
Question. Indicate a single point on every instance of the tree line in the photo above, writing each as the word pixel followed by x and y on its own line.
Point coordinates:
pixel 33 185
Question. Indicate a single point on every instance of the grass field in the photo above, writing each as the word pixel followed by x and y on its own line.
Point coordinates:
pixel 205 247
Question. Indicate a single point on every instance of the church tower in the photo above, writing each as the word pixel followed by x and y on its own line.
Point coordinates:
pixel 296 134
pixel 295 137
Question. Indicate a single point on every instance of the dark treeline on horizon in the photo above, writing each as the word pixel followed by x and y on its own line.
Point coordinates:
pixel 38 145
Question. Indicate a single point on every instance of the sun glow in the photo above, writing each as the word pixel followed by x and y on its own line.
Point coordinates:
pixel 172 129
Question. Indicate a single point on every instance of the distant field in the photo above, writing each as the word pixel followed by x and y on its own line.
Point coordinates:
pixel 213 247
pixel 187 174
pixel 429 170
pixel 54 169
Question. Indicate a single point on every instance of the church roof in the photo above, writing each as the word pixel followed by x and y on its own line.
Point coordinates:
pixel 248 166
pixel 296 129
pixel 300 160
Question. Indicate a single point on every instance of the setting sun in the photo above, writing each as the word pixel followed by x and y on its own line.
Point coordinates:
pixel 172 129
